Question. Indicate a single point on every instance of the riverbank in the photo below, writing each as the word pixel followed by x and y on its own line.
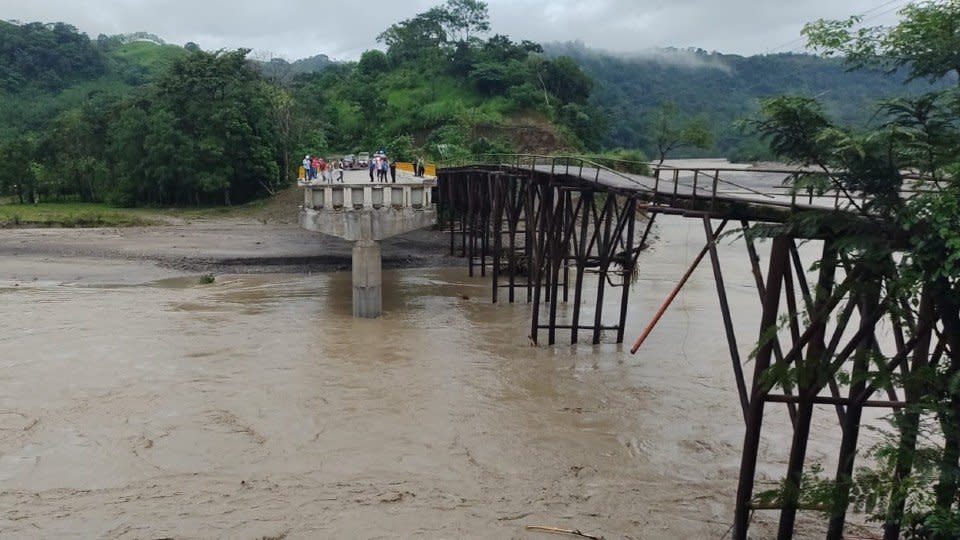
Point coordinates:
pixel 280 208
pixel 260 237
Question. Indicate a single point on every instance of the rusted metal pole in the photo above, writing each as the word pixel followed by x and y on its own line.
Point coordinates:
pixel 453 232
pixel 676 290
pixel 676 186
pixel 546 239
pixel 751 444
pixel 498 203
pixel 910 423
pixel 555 237
pixel 530 226
pixel 581 260
pixel 809 303
pixel 463 222
pixel 627 268
pixel 807 370
pixel 472 216
pixel 727 318
pixel 513 216
pixel 761 291
pixel 567 231
pixel 604 249
pixel 537 272
pixel 851 424
pixel 484 220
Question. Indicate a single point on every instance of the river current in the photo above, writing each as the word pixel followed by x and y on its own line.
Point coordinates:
pixel 257 406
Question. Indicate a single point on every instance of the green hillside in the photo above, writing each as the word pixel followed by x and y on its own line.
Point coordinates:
pixel 148 56
pixel 283 71
pixel 129 120
pixel 46 69
pixel 132 121
pixel 722 89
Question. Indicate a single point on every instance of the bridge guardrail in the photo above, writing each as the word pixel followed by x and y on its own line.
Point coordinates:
pixel 687 182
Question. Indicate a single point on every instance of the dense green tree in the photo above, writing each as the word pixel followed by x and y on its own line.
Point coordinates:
pixel 465 19
pixel 926 41
pixel 671 133
pixel 408 40
pixel 46 55
pixel 221 109
pixel 563 78
pixel 17 173
pixel 724 88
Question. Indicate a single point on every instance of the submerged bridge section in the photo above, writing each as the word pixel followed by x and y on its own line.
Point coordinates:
pixel 365 213
pixel 540 227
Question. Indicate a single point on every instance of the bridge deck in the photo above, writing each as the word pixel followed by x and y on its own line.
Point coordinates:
pixel 735 192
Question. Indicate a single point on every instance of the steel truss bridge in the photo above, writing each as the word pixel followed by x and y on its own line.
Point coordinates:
pixel 540 227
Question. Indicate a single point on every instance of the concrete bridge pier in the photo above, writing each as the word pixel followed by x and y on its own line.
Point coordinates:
pixel 366 213
pixel 367 280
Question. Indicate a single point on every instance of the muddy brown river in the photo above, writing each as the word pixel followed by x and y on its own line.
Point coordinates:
pixel 258 407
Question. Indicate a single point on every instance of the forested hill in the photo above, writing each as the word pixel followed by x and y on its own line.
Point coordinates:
pixel 723 88
pixel 48 69
pixel 138 122
pixel 284 71
pixel 134 121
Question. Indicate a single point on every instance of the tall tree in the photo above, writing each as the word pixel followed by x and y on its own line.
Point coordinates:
pixel 670 132
pixel 926 41
pixel 465 19
pixel 16 174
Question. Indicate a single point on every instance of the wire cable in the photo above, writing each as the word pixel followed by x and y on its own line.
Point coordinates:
pixel 864 15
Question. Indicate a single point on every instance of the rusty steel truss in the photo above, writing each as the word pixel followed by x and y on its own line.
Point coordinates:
pixel 539 237
pixel 540 228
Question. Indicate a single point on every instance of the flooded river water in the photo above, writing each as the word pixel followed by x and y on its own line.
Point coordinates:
pixel 257 406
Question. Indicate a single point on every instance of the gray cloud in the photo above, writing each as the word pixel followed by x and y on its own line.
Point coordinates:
pixel 343 29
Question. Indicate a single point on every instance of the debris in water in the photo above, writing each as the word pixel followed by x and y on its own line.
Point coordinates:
pixel 555 530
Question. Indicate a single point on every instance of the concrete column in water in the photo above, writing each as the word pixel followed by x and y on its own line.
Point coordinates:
pixel 367 280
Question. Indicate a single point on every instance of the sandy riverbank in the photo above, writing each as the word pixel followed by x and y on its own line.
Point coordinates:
pixel 230 245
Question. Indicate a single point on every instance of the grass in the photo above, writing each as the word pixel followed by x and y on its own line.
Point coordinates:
pixel 75 215
pixel 149 55
pixel 72 215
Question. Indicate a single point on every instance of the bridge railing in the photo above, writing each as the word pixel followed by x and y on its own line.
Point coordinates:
pixel 789 188
pixel 583 167
pixel 772 186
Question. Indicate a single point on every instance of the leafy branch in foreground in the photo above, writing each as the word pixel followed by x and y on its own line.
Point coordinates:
pixel 900 177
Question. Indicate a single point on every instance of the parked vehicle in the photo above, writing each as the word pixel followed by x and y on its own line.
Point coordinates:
pixel 350 161
pixel 363 160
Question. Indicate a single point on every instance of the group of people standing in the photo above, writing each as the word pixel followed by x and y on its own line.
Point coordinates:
pixel 381 165
pixel 317 167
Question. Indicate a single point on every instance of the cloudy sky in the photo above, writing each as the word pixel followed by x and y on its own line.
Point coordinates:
pixel 343 29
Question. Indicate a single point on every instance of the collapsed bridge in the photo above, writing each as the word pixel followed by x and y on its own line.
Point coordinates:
pixel 539 227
